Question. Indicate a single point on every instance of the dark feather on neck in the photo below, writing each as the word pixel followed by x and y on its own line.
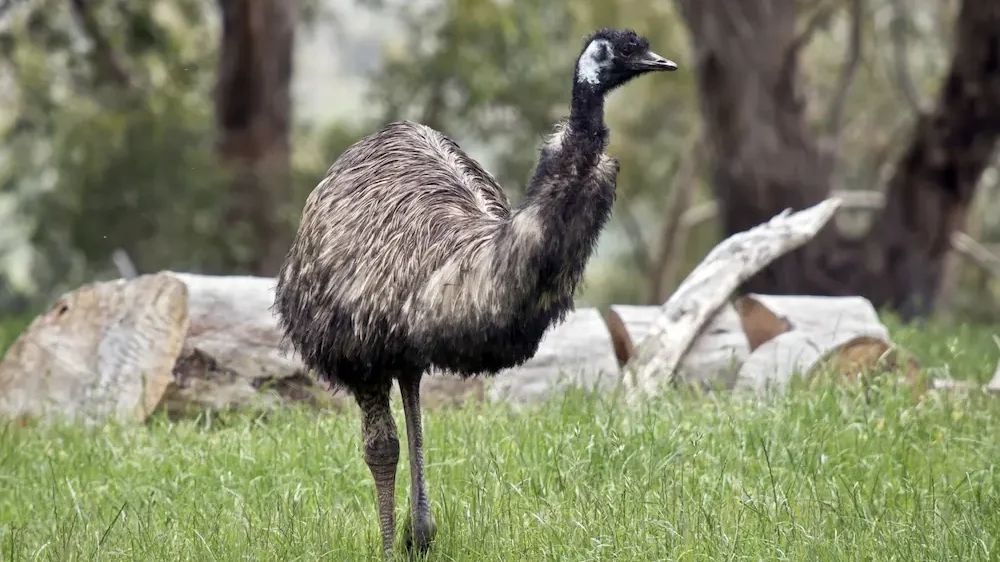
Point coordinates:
pixel 588 130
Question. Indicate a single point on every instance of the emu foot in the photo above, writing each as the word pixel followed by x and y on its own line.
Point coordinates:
pixel 419 536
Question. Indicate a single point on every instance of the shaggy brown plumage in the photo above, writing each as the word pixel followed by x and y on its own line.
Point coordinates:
pixel 409 256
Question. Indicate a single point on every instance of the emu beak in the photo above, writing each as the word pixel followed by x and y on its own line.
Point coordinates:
pixel 653 61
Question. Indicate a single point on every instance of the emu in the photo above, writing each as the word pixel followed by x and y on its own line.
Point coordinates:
pixel 409 257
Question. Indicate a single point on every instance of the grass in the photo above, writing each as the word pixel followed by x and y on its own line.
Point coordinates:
pixel 820 474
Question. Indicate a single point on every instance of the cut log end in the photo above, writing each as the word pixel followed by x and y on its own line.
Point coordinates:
pixel 854 358
pixel 620 338
pixel 105 350
pixel 576 353
pixel 759 323
pixel 865 356
pixel 707 288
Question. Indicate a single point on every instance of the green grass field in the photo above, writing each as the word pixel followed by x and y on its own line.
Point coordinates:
pixel 827 474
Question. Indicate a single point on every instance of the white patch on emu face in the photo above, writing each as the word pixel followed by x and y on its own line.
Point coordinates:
pixel 595 58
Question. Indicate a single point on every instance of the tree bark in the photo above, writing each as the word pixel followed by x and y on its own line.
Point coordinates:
pixel 253 110
pixel 767 158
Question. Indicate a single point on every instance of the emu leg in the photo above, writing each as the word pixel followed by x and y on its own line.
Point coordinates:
pixel 378 430
pixel 422 528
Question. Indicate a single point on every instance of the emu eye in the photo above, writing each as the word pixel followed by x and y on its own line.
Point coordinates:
pixel 628 48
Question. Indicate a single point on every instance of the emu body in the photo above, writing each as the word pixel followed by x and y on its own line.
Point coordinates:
pixel 409 256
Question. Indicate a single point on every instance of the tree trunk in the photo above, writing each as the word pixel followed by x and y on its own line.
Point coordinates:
pixel 767 158
pixel 253 117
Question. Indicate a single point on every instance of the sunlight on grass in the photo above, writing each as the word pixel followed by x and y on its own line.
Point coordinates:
pixel 825 474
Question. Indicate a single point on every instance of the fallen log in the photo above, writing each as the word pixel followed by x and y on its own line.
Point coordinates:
pixel 760 342
pixel 106 350
pixel 826 316
pixel 714 357
pixel 233 355
pixel 183 344
pixel 231 320
pixel 176 342
pixel 840 335
pixel 710 285
pixel 577 353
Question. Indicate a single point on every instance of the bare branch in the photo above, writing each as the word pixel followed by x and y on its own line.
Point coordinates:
pixel 835 119
pixel 700 213
pixel 819 19
pixel 674 235
pixel 105 55
pixel 123 263
pixel 789 66
pixel 961 243
pixel 904 80
pixel 975 252
pixel 640 249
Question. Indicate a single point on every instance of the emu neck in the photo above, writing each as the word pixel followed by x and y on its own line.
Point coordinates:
pixel 586 118
pixel 543 249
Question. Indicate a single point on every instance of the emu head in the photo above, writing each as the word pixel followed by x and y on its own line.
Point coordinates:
pixel 612 57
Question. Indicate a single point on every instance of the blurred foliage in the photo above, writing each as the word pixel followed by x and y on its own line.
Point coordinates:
pixel 105 150
pixel 98 163
pixel 109 134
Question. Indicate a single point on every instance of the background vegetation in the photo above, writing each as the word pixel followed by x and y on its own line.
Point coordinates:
pixel 110 125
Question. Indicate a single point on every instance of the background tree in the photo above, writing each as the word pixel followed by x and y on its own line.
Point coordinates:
pixel 767 157
pixel 109 142
pixel 106 145
pixel 253 113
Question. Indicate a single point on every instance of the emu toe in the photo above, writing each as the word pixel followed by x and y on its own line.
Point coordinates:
pixel 418 538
